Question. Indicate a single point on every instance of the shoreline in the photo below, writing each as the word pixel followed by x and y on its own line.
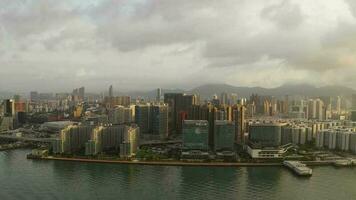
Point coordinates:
pixel 179 163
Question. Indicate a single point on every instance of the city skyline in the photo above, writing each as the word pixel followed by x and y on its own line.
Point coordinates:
pixel 177 99
pixel 145 44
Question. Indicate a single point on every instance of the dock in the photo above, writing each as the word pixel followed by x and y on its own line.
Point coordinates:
pixel 298 168
pixel 343 163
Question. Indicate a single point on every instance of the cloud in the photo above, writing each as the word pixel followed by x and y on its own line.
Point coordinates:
pixel 285 14
pixel 352 6
pixel 141 44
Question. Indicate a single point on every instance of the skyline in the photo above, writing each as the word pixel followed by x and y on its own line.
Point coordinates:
pixel 139 45
pixel 207 91
pixel 177 99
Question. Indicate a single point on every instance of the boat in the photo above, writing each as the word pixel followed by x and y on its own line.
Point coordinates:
pixel 342 163
pixel 298 168
pixel 353 161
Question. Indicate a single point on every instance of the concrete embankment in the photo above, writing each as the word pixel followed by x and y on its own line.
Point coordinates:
pixel 180 163
pixel 162 163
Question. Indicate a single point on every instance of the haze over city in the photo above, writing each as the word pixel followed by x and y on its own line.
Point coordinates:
pixel 177 99
pixel 145 44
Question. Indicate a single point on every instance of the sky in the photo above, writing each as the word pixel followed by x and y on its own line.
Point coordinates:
pixel 51 45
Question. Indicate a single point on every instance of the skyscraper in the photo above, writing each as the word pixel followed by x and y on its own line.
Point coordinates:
pixel 117 115
pixel 224 98
pixel 81 93
pixel 107 137
pixel 34 96
pixel 143 118
pixel 78 94
pixel 195 135
pixel 111 93
pixel 159 94
pixel 286 104
pixel 353 116
pixel 224 135
pixel 152 120
pixel 129 145
pixel 266 135
pixel 338 105
pixel 320 113
pixel 8 107
pixel 74 137
pixel 179 105
pixel 239 119
pixel 159 115
pixel 311 109
pixel 206 112
pixel 353 101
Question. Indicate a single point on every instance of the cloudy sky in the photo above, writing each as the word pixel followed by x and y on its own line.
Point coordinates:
pixel 143 44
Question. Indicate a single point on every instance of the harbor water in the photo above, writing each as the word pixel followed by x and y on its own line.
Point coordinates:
pixel 21 178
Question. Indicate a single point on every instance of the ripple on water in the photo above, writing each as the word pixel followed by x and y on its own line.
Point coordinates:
pixel 29 179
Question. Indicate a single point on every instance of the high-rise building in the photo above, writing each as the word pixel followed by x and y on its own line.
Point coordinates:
pixel 239 119
pixel 338 105
pixel 34 97
pixel 340 139
pixel 224 135
pixel 77 94
pixel 224 98
pixel 206 112
pixel 110 102
pixel 81 93
pixel 90 148
pixel 224 112
pixel 121 115
pixel 108 138
pixel 298 109
pixel 316 109
pixel 320 112
pixel 266 135
pixel 233 99
pixel 129 145
pixel 159 94
pixel 8 107
pixel 295 135
pixel 143 118
pixel 353 101
pixel 179 105
pixel 311 109
pixel 195 135
pixel 263 105
pixel 353 116
pixel 286 105
pixel 113 139
pixel 327 101
pixel 159 116
pixel 111 92
pixel 74 137
pixel 6 123
pixel 56 145
pixel 152 120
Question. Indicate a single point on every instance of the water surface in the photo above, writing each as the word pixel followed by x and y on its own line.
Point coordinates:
pixel 33 179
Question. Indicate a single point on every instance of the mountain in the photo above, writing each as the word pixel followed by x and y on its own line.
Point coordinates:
pixel 296 89
pixel 152 93
pixel 208 90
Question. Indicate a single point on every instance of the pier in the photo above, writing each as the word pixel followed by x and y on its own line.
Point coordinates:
pixel 298 168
